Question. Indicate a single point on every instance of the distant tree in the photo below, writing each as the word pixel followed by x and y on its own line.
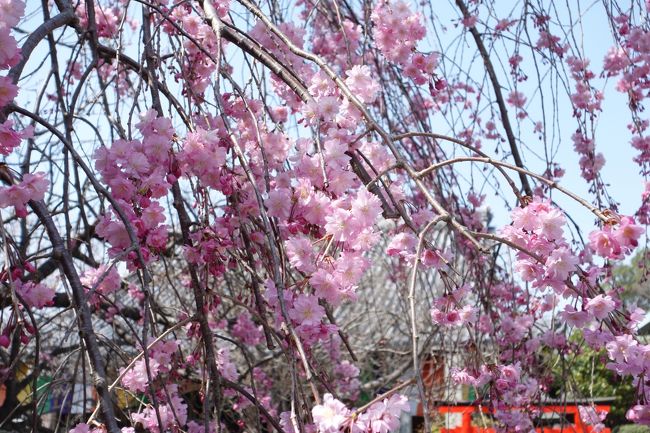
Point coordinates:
pixel 634 279
pixel 582 373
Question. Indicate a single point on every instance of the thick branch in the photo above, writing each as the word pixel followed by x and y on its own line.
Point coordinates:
pixel 66 17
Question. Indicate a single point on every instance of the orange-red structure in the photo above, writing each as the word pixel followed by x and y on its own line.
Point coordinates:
pixel 568 412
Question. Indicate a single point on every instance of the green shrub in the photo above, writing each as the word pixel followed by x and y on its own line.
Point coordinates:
pixel 631 428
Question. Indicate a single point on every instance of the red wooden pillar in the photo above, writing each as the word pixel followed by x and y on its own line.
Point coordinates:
pixel 580 426
pixel 466 427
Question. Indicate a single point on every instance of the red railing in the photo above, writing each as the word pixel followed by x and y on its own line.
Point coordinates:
pixel 466 412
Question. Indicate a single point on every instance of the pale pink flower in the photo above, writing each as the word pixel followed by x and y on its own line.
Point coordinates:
pixel 551 223
pixel 81 428
pixel 469 21
pixel 31 187
pixel 560 264
pixel 306 310
pixel 350 267
pixel 103 280
pixel 590 416
pixel 225 365
pixel 330 415
pixel 327 108
pixel 317 208
pixel 600 306
pixel 340 224
pixel 136 378
pixel 402 243
pixel 279 203
pixel 603 243
pixel 300 253
pixel 36 295
pixel 327 287
pixel 9 139
pixel 246 330
pixel 639 414
pixel 10 13
pixel 627 233
pixel 366 208
pixel 575 318
pixel 361 83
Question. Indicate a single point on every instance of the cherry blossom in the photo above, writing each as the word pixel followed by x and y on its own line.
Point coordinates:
pixel 35 295
pixel 330 415
pixel 244 200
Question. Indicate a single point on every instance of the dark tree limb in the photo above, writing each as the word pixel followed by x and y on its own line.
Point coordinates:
pixel 86 331
pixel 499 97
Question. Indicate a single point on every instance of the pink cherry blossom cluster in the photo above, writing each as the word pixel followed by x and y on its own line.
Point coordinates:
pixel 210 247
pixel 107 18
pixel 381 417
pixel 10 138
pixel 31 295
pixel 327 108
pixel 518 100
pixel 200 48
pixel 167 416
pixel 538 228
pixel 137 377
pixel 204 152
pixel 586 102
pixel 397 32
pixel 347 379
pixel 614 242
pixel 327 43
pixel 170 412
pixel 590 162
pixel 628 357
pixel 101 282
pixel 508 387
pixel 360 83
pixel 630 61
pixel 10 13
pixel 643 214
pixel 271 42
pixel 30 187
pixel 585 99
pixel 550 42
pixel 246 330
pixel 138 172
pixel 448 312
pixel 36 295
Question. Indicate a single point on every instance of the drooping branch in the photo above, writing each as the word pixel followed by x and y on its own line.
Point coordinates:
pixel 496 86
pixel 86 330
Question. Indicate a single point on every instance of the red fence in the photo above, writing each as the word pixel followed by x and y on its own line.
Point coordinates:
pixel 572 423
